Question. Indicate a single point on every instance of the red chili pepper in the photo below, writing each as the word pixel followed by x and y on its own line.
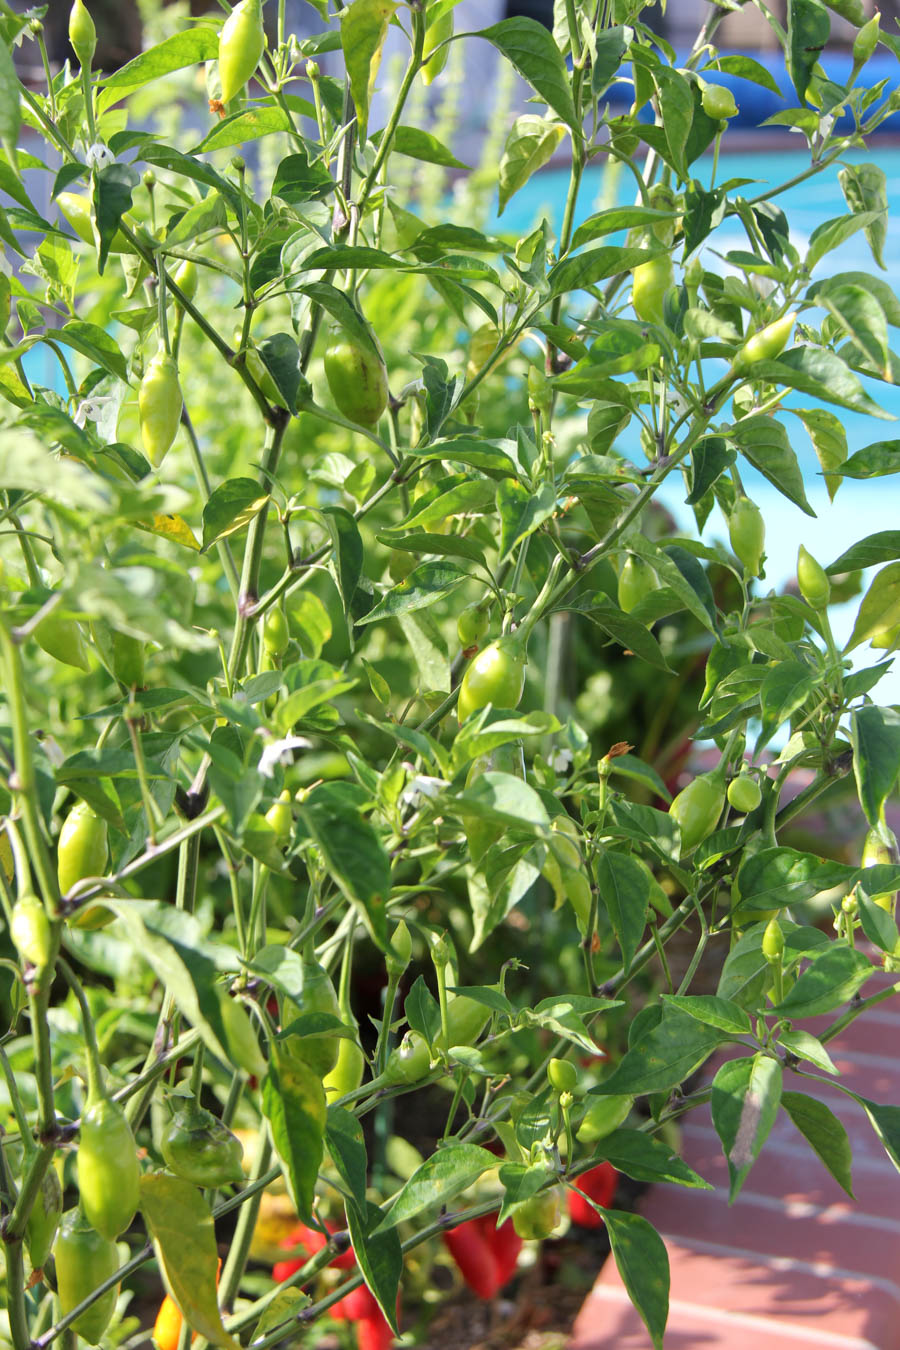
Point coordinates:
pixel 473 1255
pixel 308 1241
pixel 373 1333
pixel 485 1254
pixel 505 1244
pixel 356 1305
pixel 599 1185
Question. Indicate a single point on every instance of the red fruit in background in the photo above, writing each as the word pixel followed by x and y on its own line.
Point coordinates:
pixel 506 1244
pixel 469 1247
pixel 485 1254
pixel 373 1333
pixel 355 1305
pixel 599 1184
pixel 306 1242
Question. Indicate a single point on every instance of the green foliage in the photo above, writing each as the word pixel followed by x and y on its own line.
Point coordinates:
pixel 356 641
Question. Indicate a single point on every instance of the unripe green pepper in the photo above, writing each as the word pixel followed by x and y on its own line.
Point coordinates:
pixel 472 624
pixel 773 942
pixel 199 1148
pixel 317 995
pixel 357 377
pixel 636 580
pixel 606 1115
pixel 866 40
pixel 747 532
pixel 765 345
pixel 241 45
pixel 82 34
pixel 697 808
pixel 812 580
pixel 160 405
pixel 61 638
pixel 880 847
pixel 536 1218
pixel 662 198
pixel 29 929
pixel 43 1221
pixel 186 278
pixel 107 1168
pixel 650 281
pixel 436 33
pixel 276 634
pixel 410 1062
pixel 82 847
pixel 84 1259
pixel 280 816
pixel 76 211
pixel 744 793
pixel 241 1040
pixel 540 392
pixel 562 1075
pixel 718 102
pixel 496 675
pixel 348 1071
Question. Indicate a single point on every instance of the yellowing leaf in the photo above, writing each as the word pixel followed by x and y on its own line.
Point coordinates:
pixel 184 1237
pixel 174 528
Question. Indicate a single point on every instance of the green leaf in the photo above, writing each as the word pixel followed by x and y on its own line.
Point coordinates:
pixel 113 187
pixel 808 1047
pixel 832 233
pixel 765 443
pixel 826 431
pixel 353 854
pixel 676 110
pixel 880 607
pixel 775 877
pixel 347 1148
pixel 249 125
pixel 628 632
pixel 874 461
pixel 10 113
pixel 785 689
pixel 379 1254
pixel 423 543
pixel 747 69
pixel 875 737
pixel 665 1056
pixel 172 943
pixel 746 1094
pixel 439 1180
pixel 416 143
pixel 624 884
pixel 877 924
pixel 644 1158
pixel 426 584
pixel 231 507
pixel 821 374
pixel 715 1012
pixel 293 1102
pixel 885 1121
pixel 824 1133
pixel 595 264
pixel 531 143
pixel 710 457
pixel 829 982
pixel 522 512
pixel 347 555
pixel 181 1226
pixel 529 47
pixel 809 28
pixel 643 1264
pixel 182 49
pixel 364 26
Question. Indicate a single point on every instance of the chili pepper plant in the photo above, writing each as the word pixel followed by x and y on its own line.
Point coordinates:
pixel 330 476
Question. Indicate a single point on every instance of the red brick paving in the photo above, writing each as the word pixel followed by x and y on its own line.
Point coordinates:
pixel 794 1262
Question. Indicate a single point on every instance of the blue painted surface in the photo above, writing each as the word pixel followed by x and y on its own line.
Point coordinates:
pixel 756 103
